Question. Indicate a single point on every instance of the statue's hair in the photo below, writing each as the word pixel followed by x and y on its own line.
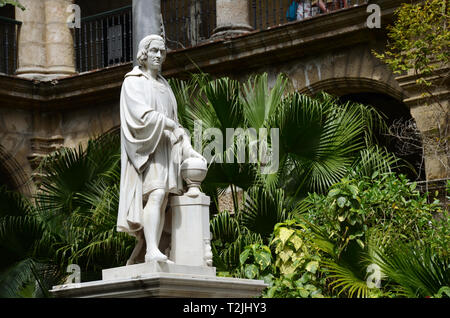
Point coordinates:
pixel 144 45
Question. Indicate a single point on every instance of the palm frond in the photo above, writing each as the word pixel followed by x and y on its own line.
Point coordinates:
pixel 262 210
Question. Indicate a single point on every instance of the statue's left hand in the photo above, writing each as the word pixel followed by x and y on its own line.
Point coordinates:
pixel 195 154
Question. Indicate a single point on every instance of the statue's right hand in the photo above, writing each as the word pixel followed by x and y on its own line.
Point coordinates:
pixel 179 133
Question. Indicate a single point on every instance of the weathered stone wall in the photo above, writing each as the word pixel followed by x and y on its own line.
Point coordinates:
pixel 330 53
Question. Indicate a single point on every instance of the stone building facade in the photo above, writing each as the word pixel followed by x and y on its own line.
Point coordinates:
pixel 46 103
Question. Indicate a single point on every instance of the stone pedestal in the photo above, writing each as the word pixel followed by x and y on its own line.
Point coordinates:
pixel 191 276
pixel 158 280
pixel 232 18
pixel 190 230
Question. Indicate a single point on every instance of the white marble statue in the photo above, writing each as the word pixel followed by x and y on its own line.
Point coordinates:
pixel 153 146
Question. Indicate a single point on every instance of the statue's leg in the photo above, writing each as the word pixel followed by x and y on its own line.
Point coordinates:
pixel 163 216
pixel 153 223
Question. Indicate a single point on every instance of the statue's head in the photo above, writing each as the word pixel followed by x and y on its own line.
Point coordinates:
pixel 151 52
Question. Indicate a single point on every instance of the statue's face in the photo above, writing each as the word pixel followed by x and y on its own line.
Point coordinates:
pixel 156 54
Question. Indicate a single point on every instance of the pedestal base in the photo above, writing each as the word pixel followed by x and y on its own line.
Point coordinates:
pixel 160 280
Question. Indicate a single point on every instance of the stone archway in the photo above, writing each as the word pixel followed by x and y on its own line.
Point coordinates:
pixel 12 174
pixel 388 100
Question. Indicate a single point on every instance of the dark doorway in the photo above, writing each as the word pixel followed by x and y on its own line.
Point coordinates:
pixel 404 138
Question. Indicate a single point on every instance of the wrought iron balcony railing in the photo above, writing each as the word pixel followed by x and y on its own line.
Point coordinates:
pixel 269 13
pixel 9 32
pixel 188 22
pixel 106 39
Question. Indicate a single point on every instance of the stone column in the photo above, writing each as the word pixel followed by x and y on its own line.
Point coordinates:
pixel 32 57
pixel 146 21
pixel 233 18
pixel 59 39
pixel 45 41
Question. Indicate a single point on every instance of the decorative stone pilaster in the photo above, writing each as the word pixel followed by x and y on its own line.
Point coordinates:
pixel 45 41
pixel 232 18
pixel 41 147
pixel 432 116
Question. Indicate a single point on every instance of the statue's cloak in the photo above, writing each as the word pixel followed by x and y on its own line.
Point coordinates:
pixel 144 145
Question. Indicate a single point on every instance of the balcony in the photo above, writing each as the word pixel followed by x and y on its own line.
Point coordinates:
pixel 106 39
pixel 9 30
pixel 269 13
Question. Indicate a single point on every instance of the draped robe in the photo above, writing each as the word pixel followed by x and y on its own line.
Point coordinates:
pixel 148 159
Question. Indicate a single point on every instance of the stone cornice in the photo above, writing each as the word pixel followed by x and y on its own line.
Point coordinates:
pixel 219 56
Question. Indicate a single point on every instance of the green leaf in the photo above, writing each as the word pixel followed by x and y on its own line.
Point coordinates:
pixel 334 192
pixel 251 271
pixel 341 202
pixel 285 234
pixel 312 266
pixel 303 292
pixel 264 259
pixel 310 287
pixel 297 242
pixel 244 256
pixel 353 189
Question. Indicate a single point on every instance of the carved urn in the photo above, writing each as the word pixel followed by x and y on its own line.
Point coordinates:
pixel 193 171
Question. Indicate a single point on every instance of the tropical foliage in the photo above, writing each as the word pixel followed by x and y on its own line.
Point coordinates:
pixel 71 221
pixel 368 237
pixel 309 229
pixel 335 138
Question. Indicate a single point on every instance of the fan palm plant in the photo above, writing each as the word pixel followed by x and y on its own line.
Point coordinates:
pixel 319 139
pixel 78 199
pixel 25 248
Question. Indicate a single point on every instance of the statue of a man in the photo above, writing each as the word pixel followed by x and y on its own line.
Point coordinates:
pixel 153 145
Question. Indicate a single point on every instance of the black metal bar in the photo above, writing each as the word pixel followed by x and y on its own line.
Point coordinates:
pixel 183 20
pixel 260 15
pixel 16 29
pixel 108 42
pixel 176 20
pixel 97 46
pixel 274 13
pixel 85 48
pixel 6 51
pixel 80 49
pixel 102 43
pixel 91 44
pixel 130 36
